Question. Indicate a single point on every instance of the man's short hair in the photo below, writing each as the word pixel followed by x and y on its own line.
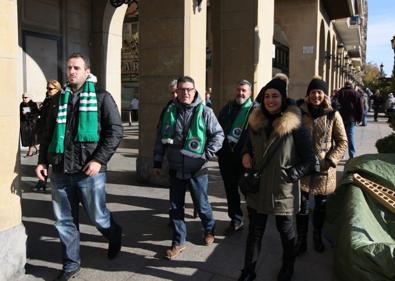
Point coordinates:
pixel 348 83
pixel 184 79
pixel 173 83
pixel 244 82
pixel 81 56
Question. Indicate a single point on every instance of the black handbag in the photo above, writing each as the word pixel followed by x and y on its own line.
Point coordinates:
pixel 249 181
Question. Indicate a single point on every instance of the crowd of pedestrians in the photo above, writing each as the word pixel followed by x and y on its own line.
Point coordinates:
pixel 291 147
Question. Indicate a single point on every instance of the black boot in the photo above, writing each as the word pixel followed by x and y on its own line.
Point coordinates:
pixel 248 274
pixel 287 269
pixel 114 236
pixel 302 224
pixel 317 239
pixel 318 223
pixel 256 229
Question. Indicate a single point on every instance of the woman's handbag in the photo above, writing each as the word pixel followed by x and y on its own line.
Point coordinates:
pixel 249 181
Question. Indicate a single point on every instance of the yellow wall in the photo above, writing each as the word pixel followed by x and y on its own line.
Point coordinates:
pixel 10 210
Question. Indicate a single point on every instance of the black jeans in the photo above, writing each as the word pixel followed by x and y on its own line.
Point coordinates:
pixel 231 169
pixel 256 229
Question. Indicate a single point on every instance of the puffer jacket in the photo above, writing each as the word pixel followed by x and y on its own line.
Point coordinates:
pixel 185 166
pixel 284 157
pixel 329 142
pixel 78 154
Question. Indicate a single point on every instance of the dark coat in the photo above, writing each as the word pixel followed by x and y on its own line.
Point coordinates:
pixel 78 154
pixel 286 156
pixel 43 115
pixel 28 125
pixel 351 105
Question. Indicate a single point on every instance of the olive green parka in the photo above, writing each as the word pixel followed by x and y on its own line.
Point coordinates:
pixel 286 155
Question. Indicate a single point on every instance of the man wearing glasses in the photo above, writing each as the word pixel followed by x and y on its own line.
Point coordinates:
pixel 191 135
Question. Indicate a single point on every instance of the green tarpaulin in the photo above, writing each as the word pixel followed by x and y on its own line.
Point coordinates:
pixel 364 230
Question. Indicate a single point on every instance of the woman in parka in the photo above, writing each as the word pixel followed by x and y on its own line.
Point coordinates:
pixel 281 148
pixel 330 143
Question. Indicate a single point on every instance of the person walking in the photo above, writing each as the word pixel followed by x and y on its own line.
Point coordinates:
pixel 281 149
pixel 28 113
pixel 390 106
pixel 351 111
pixel 209 102
pixel 233 118
pixel 83 130
pixel 377 101
pixel 134 107
pixel 365 99
pixel 191 135
pixel 53 88
pixel 329 143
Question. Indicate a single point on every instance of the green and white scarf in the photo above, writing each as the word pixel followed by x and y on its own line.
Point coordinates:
pixel 196 137
pixel 240 123
pixel 87 116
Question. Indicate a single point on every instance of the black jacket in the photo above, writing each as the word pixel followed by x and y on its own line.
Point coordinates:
pixel 43 115
pixel 226 117
pixel 78 154
pixel 351 104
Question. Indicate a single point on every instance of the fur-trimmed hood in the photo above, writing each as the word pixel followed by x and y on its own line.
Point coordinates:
pixel 290 120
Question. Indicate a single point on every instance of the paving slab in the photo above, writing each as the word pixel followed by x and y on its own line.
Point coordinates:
pixel 142 210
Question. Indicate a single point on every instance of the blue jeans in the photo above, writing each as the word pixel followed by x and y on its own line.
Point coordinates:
pixel 365 118
pixel 350 131
pixel 198 188
pixel 67 192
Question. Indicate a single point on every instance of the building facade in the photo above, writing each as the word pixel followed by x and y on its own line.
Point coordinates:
pixel 217 43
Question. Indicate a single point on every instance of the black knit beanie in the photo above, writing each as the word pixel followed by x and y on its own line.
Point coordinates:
pixel 280 85
pixel 317 84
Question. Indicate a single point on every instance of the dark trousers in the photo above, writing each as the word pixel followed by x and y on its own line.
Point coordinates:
pixel 198 188
pixel 256 229
pixel 231 169
pixel 375 113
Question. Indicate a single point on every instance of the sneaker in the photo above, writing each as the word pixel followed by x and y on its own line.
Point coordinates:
pixel 67 275
pixel 208 239
pixel 174 251
pixel 114 246
pixel 233 227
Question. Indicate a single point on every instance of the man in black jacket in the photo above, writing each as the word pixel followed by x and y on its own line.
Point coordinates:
pixel 233 119
pixel 83 130
pixel 351 110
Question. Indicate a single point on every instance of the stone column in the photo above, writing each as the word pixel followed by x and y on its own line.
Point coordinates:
pixel 301 28
pixel 242 45
pixel 12 232
pixel 172 44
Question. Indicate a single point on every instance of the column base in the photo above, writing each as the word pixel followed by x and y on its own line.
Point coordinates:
pixel 13 253
pixel 145 175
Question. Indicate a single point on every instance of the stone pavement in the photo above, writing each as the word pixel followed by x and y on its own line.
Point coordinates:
pixel 143 213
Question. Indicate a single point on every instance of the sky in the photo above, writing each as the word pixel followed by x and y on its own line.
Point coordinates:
pixel 381 29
